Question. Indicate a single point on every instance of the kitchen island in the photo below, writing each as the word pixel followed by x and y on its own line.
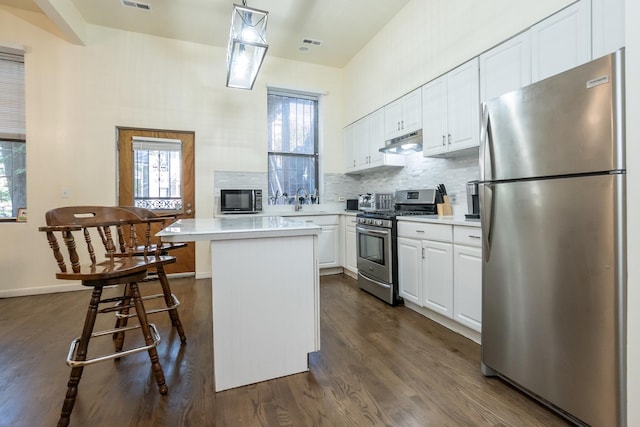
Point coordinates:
pixel 265 283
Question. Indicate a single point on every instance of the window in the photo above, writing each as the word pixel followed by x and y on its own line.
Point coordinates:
pixel 293 145
pixel 157 173
pixel 13 173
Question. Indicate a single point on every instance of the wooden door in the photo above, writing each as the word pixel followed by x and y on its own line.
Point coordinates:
pixel 156 171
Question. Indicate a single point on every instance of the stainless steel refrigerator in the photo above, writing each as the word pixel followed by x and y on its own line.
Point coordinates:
pixel 552 196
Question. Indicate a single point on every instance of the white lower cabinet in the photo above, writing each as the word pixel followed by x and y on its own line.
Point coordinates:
pixel 350 245
pixel 328 247
pixel 425 265
pixel 467 276
pixel 410 269
pixel 467 286
pixel 440 269
pixel 437 270
pixel 328 240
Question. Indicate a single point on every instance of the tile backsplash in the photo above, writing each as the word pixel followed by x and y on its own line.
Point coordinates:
pixel 419 172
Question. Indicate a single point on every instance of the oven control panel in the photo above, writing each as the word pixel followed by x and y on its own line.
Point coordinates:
pixel 375 222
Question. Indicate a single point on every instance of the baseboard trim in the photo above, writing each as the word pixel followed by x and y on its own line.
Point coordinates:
pixel 39 290
pixel 446 322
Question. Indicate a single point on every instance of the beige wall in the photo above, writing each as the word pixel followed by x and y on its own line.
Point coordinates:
pixel 632 15
pixel 77 95
pixel 427 39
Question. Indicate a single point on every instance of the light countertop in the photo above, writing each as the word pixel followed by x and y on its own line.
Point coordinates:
pixel 435 219
pixel 236 227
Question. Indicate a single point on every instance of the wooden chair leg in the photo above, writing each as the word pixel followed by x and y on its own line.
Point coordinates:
pixel 81 355
pixel 121 322
pixel 146 332
pixel 173 313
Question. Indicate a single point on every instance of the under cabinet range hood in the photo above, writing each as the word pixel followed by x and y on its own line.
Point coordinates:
pixel 405 144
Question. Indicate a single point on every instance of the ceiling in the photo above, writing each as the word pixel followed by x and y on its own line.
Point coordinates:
pixel 344 26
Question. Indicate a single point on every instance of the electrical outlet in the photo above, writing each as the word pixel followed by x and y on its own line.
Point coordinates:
pixel 341 198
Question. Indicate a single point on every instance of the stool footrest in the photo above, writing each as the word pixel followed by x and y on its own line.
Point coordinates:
pixel 175 304
pixel 71 357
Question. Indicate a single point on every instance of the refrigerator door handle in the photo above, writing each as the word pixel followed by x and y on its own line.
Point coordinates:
pixel 486 218
pixel 486 146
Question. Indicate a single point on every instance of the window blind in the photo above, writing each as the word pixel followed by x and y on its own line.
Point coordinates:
pixel 12 103
pixel 156 144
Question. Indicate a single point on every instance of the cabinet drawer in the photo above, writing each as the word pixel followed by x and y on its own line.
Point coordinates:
pixel 350 221
pixel 470 236
pixel 317 219
pixel 425 231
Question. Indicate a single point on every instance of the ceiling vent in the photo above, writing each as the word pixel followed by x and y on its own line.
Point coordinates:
pixel 312 42
pixel 136 4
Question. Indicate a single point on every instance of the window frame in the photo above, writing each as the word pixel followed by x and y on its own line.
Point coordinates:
pixel 13 131
pixel 315 156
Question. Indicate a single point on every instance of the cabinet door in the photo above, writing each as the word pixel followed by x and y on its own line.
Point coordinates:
pixel 410 269
pixel 376 138
pixel 411 111
pixel 362 142
pixel 434 117
pixel 467 286
pixel 392 119
pixel 506 67
pixel 437 273
pixel 607 26
pixel 351 250
pixel 350 149
pixel 463 107
pixel 328 246
pixel 562 41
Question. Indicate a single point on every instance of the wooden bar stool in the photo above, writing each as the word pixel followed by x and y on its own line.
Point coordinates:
pixel 82 226
pixel 149 218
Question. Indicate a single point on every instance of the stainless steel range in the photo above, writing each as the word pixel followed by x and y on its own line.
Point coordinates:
pixel 377 242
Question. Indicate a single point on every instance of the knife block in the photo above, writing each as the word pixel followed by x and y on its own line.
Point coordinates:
pixel 444 208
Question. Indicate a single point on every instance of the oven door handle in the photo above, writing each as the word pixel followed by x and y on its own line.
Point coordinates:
pixel 384 285
pixel 370 231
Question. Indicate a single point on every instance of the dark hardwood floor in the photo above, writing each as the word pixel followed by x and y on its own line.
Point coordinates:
pixel 378 366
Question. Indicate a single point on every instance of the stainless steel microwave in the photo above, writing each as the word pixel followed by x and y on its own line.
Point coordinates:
pixel 240 201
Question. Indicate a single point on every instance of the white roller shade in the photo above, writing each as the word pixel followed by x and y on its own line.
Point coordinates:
pixel 12 104
pixel 156 144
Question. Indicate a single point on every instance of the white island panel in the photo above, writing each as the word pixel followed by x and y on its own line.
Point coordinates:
pixel 264 306
pixel 266 294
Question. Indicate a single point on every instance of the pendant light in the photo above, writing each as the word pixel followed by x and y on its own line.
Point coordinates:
pixel 247 46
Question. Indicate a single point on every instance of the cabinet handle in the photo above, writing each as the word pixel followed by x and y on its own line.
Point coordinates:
pixel 354 163
pixel 398 125
pixel 402 124
pixel 419 231
pixel 474 237
pixel 449 139
pixel 422 253
pixel 443 140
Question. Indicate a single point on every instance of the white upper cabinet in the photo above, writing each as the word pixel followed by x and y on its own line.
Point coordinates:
pixel 350 149
pixel 363 140
pixel 369 147
pixel 451 111
pixel 403 115
pixel 506 67
pixel 562 41
pixel 434 116
pixel 607 26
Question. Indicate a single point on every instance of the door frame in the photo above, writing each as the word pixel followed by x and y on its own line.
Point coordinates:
pixel 185 263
